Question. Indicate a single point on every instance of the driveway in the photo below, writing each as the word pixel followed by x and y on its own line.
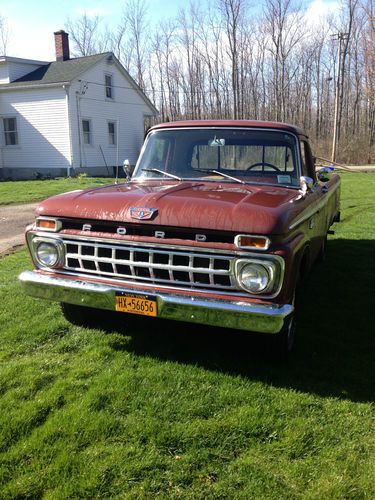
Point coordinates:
pixel 13 220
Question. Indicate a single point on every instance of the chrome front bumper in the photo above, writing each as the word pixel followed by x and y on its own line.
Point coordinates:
pixel 253 317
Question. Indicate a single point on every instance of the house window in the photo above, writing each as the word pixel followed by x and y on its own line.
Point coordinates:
pixel 108 87
pixel 112 133
pixel 10 131
pixel 86 129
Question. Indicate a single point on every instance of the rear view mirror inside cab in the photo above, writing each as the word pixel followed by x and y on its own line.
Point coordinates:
pixel 216 142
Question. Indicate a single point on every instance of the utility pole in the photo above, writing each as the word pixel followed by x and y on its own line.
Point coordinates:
pixel 339 78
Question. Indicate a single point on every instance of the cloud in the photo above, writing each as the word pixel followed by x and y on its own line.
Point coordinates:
pixel 319 10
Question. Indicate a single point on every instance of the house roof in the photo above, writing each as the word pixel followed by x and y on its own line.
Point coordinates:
pixel 57 72
pixel 63 72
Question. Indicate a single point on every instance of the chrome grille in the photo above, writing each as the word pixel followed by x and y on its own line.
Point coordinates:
pixel 150 264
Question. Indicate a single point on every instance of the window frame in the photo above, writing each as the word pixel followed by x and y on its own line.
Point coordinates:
pixel 307 167
pixel 186 154
pixel 114 123
pixel 84 133
pixel 13 131
pixel 108 89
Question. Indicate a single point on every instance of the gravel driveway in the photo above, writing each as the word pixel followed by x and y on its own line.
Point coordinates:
pixel 13 220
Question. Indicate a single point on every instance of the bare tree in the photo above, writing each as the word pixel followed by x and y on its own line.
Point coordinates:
pixel 4 36
pixel 86 36
pixel 233 14
pixel 215 60
pixel 349 13
pixel 284 24
pixel 135 18
pixel 369 58
pixel 119 44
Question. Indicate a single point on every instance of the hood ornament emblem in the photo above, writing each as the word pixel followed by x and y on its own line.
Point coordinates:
pixel 142 213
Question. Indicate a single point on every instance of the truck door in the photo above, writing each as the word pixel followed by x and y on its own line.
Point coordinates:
pixel 317 223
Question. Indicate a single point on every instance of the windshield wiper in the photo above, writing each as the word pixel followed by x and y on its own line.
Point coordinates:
pixel 224 175
pixel 161 172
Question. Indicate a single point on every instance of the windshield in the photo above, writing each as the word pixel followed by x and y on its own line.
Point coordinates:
pixel 227 155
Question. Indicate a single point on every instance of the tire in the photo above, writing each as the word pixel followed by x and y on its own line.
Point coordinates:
pixel 283 342
pixel 323 251
pixel 80 315
pixel 287 336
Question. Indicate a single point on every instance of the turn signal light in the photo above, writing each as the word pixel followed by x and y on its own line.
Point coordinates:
pixel 48 224
pixel 247 242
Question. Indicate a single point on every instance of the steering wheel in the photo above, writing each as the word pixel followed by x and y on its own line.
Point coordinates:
pixel 264 164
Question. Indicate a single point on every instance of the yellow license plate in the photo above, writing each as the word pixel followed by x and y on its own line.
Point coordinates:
pixel 136 304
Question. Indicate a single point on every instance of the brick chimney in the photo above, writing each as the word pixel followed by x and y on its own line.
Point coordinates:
pixel 62 45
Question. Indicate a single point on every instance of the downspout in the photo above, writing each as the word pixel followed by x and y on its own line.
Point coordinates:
pixel 70 165
pixel 79 129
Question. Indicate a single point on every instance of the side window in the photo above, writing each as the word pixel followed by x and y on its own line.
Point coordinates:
pixel 306 164
pixel 86 130
pixel 304 168
pixel 112 133
pixel 10 131
pixel 108 86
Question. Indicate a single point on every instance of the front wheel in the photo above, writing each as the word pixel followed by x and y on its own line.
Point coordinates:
pixel 323 250
pixel 282 343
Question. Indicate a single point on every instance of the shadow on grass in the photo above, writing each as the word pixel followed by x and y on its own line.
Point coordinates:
pixel 334 352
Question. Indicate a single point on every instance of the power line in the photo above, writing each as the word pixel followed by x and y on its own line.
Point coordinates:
pixel 114 102
pixel 152 91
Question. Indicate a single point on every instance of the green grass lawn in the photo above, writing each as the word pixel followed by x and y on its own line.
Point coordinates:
pixel 29 191
pixel 161 409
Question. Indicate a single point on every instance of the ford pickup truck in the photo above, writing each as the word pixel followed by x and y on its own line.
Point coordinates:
pixel 216 225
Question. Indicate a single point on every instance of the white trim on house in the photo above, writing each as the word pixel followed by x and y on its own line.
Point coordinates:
pixel 87 134
pixel 14 131
pixel 20 60
pixel 34 86
pixel 68 117
pixel 112 134
pixel 111 87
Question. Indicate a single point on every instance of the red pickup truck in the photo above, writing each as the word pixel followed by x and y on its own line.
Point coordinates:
pixel 216 225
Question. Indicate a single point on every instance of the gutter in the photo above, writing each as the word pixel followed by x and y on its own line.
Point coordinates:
pixel 35 86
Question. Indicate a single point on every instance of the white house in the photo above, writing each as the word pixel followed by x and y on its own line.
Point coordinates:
pixel 71 115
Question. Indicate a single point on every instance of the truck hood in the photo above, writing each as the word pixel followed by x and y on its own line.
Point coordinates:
pixel 201 205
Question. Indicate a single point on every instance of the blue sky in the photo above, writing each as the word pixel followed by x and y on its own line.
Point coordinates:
pixel 32 23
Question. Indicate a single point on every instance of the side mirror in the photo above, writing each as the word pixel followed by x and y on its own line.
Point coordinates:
pixel 324 174
pixel 307 184
pixel 128 169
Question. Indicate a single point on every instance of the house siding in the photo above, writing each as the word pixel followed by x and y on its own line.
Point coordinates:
pixel 43 133
pixel 127 109
pixel 4 73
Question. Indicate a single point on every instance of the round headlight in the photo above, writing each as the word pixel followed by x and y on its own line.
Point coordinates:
pixel 47 254
pixel 254 277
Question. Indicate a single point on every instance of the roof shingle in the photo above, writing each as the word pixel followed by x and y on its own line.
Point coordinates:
pixel 57 71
